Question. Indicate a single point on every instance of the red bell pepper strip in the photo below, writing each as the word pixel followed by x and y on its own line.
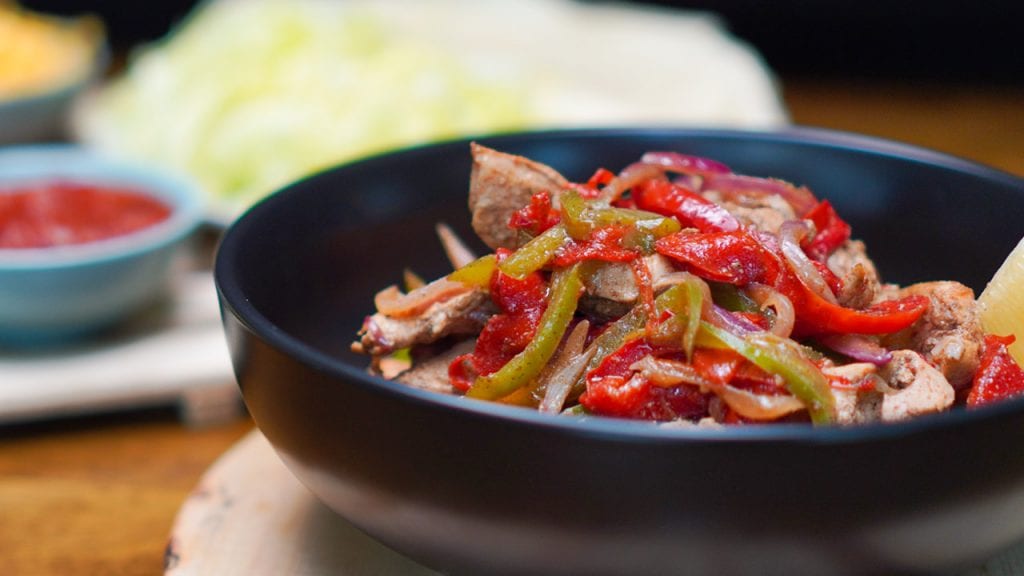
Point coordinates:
pixel 614 390
pixel 733 257
pixel 999 376
pixel 601 177
pixel 817 316
pixel 604 244
pixel 739 258
pixel 522 302
pixel 832 231
pixel 687 206
pixel 521 369
pixel 535 217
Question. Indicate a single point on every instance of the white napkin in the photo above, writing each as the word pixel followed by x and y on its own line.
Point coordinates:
pixel 173 353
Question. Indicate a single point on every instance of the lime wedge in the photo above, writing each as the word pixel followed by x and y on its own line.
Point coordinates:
pixel 1002 302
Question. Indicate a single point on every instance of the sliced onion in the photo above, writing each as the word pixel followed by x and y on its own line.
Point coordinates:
pixel 722 318
pixel 858 347
pixel 768 297
pixel 663 281
pixel 391 302
pixel 458 253
pixel 668 373
pixel 685 164
pixel 629 177
pixel 790 235
pixel 689 181
pixel 758 406
pixel 412 280
pixel 565 369
pixel 662 372
pixel 733 185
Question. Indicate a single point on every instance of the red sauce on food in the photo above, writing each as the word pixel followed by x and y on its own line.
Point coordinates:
pixel 63 213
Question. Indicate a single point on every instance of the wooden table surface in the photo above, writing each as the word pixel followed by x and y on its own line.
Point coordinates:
pixel 99 495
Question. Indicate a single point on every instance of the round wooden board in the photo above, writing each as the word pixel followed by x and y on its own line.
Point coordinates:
pixel 249 516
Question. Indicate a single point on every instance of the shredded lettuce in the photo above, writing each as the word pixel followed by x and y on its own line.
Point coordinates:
pixel 248 95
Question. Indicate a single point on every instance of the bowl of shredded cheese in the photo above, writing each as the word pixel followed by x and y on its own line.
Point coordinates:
pixel 45 62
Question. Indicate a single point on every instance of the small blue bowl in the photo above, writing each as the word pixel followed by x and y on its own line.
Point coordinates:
pixel 59 293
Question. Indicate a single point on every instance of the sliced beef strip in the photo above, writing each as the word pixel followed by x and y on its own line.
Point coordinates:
pixel 949 334
pixel 499 185
pixel 432 373
pixel 615 281
pixel 612 289
pixel 462 314
pixel 611 293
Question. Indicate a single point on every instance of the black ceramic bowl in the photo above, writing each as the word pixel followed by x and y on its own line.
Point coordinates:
pixel 470 487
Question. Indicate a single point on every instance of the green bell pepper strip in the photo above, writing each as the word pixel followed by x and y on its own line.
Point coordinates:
pixel 615 335
pixel 776 355
pixel 685 301
pixel 533 255
pixel 732 298
pixel 574 215
pixel 564 293
pixel 581 217
pixel 477 273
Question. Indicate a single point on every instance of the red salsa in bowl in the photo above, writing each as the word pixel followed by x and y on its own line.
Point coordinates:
pixel 61 213
pixel 85 240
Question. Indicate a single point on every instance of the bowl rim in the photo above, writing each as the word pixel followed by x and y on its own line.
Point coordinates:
pixel 22 164
pixel 235 302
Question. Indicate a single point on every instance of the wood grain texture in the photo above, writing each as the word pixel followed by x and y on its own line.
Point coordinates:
pixel 100 496
pixel 232 526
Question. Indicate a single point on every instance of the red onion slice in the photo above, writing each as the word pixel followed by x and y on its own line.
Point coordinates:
pixel 685 164
pixel 733 185
pixel 758 406
pixel 629 177
pixel 768 297
pixel 858 347
pixel 669 373
pixel 790 235
pixel 722 318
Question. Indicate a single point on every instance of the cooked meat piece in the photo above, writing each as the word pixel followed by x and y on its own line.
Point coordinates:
pixel 499 185
pixel 949 335
pixel 616 282
pixel 919 387
pixel 612 289
pixel 766 213
pixel 855 406
pixel 432 373
pixel 851 264
pixel 462 314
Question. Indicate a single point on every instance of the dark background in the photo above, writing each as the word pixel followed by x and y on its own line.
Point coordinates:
pixel 965 42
